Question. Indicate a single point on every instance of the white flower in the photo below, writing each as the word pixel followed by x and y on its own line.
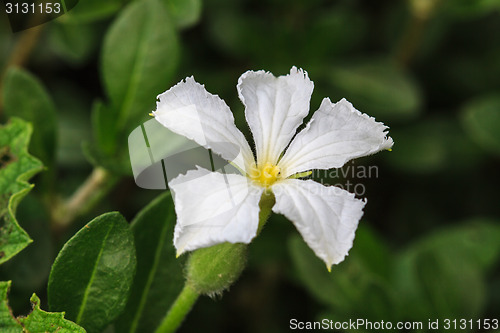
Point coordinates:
pixel 215 207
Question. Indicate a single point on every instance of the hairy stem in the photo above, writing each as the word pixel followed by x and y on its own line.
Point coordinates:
pixel 179 310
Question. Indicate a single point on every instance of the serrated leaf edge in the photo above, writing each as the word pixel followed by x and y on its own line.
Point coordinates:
pixel 22 180
pixel 35 304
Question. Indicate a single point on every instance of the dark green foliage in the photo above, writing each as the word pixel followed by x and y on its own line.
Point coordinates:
pixel 427 246
pixel 159 278
pixel 92 275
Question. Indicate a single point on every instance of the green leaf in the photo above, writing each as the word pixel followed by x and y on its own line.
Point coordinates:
pixel 104 126
pixel 442 275
pixel 25 97
pixel 74 43
pixel 8 323
pixel 42 321
pixel 159 277
pixel 378 88
pixel 140 55
pixel 88 11
pixel 101 152
pixel 30 268
pixel 16 167
pixel 475 242
pixel 37 321
pixel 356 286
pixel 74 124
pixel 118 163
pixel 481 120
pixel 469 8
pixel 92 275
pixel 432 145
pixel 184 13
pixel 328 24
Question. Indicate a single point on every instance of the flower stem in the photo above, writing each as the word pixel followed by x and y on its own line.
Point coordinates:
pixel 178 311
pixel 86 196
pixel 410 41
pixel 222 261
pixel 266 204
pixel 20 54
pixel 421 11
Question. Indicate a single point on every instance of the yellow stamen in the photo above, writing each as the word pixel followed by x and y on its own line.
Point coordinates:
pixel 265 175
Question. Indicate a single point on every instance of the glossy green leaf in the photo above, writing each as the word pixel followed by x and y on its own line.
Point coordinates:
pixel 377 88
pixel 92 275
pixel 481 119
pixel 140 55
pixel 37 321
pixel 184 13
pixel 443 274
pixel 16 167
pixel 25 97
pixel 159 277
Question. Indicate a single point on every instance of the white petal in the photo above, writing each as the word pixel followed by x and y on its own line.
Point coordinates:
pixel 213 208
pixel 189 110
pixel 326 216
pixel 336 134
pixel 274 108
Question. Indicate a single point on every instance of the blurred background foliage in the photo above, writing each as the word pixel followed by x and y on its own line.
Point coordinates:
pixel 428 245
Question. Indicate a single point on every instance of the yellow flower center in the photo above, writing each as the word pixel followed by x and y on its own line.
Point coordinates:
pixel 265 175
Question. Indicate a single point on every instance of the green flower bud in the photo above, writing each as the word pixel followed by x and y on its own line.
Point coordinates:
pixel 214 269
